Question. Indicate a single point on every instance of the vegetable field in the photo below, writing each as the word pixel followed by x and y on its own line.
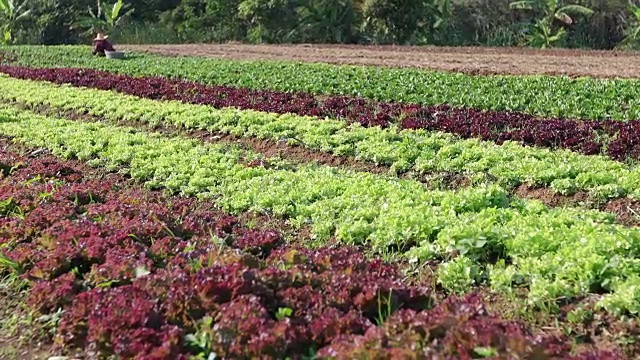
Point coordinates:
pixel 189 208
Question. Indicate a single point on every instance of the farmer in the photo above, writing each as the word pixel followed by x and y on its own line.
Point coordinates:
pixel 100 44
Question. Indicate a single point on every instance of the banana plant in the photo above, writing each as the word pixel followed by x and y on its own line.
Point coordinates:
pixel 442 13
pixel 106 18
pixel 542 32
pixel 632 38
pixel 326 20
pixel 11 13
pixel 543 36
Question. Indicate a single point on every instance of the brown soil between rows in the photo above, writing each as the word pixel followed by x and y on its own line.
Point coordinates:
pixel 471 60
pixel 595 328
pixel 626 210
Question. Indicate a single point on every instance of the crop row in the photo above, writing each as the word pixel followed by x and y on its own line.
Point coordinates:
pixel 616 139
pixel 510 163
pixel 544 96
pixel 479 233
pixel 139 275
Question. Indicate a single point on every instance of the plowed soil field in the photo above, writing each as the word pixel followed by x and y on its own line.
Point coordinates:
pixel 473 60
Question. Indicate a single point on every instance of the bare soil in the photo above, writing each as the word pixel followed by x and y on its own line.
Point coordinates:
pixel 20 337
pixel 626 210
pixel 594 329
pixel 471 60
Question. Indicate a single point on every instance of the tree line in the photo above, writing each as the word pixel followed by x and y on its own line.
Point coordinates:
pixel 598 24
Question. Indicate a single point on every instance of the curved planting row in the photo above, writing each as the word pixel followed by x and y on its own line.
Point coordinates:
pixel 510 164
pixel 139 275
pixel 547 96
pixel 482 235
pixel 616 139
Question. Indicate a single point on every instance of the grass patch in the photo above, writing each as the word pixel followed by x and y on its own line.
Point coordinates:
pixel 23 335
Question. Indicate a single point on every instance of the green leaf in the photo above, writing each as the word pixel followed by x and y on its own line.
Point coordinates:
pixel 4 6
pixel 283 313
pixel 23 15
pixel 635 10
pixel 116 9
pixel 106 284
pixel 191 339
pixel 6 263
pixel 7 36
pixel 141 272
pixel 105 11
pixel 522 5
pixel 576 9
pixel 485 351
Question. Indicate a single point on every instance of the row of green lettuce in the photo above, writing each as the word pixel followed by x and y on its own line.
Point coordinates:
pixel 419 151
pixel 479 234
pixel 546 96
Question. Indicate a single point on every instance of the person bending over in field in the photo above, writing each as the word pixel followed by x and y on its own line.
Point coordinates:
pixel 100 44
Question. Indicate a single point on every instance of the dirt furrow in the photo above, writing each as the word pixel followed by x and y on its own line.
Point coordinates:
pixel 471 60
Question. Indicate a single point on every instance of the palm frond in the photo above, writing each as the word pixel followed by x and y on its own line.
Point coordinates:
pixel 115 11
pixel 4 6
pixel 635 10
pixel 576 9
pixel 522 5
pixel 23 15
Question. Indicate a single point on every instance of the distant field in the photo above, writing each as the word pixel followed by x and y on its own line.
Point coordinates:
pixel 190 207
pixel 472 60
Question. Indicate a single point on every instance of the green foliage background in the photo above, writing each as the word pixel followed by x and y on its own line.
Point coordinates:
pixel 438 22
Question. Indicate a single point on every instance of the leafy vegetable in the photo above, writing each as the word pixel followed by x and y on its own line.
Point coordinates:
pixel 544 96
pixel 510 164
pixel 204 301
pixel 557 252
